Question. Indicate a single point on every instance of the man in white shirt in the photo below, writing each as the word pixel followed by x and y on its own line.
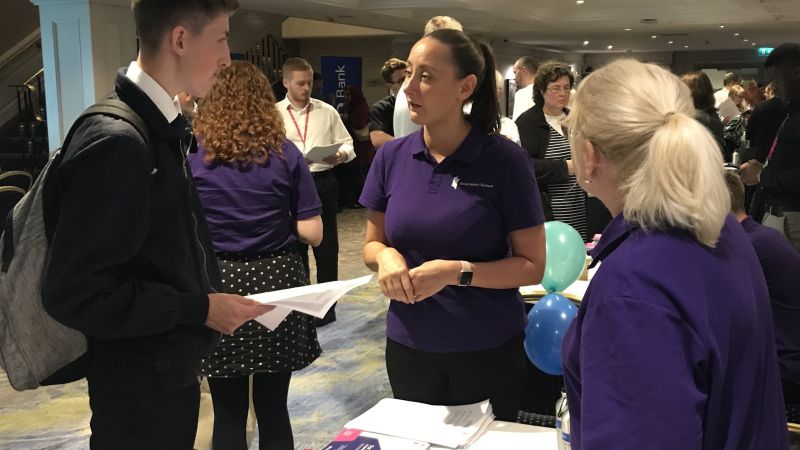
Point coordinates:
pixel 727 82
pixel 310 123
pixel 402 124
pixel 524 74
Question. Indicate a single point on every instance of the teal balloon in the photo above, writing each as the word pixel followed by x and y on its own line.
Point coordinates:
pixel 566 256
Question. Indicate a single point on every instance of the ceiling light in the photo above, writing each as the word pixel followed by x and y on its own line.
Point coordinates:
pixel 685 46
pixel 736 34
pixel 670 42
pixel 752 43
pixel 746 40
pixel 653 36
pixel 610 47
pixel 585 42
pixel 579 2
pixel 721 27
pixel 627 29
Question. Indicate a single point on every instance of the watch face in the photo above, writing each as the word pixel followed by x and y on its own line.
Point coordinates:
pixel 465 279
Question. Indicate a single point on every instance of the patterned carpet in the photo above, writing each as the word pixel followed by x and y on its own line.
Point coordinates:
pixel 346 380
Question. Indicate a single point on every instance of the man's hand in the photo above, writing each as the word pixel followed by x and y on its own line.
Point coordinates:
pixel 227 312
pixel 751 172
pixel 338 158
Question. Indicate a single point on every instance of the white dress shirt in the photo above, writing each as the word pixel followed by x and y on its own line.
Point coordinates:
pixel 720 96
pixel 403 126
pixel 169 107
pixel 325 127
pixel 508 128
pixel 523 101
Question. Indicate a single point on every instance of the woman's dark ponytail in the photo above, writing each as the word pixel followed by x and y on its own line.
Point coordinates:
pixel 485 114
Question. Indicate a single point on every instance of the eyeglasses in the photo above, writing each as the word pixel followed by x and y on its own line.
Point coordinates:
pixel 559 89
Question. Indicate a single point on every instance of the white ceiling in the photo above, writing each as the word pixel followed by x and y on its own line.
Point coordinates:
pixel 563 25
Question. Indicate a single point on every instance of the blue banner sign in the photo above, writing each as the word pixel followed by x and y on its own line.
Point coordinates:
pixel 338 72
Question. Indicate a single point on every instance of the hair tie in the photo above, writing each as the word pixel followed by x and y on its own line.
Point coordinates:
pixel 667 117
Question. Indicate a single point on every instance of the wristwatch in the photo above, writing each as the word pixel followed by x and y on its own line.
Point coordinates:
pixel 465 276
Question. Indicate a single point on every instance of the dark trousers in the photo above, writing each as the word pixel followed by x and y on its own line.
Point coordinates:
pixel 326 254
pixel 157 420
pixel 231 399
pixel 496 374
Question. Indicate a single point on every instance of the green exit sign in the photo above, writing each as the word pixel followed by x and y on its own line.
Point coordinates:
pixel 764 51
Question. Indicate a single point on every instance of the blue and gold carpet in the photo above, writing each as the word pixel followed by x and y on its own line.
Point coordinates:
pixel 346 380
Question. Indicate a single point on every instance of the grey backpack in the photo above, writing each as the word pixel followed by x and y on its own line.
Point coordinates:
pixel 35 349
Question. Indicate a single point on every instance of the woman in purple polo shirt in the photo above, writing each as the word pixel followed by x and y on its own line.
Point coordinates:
pixel 673 345
pixel 454 227
pixel 259 200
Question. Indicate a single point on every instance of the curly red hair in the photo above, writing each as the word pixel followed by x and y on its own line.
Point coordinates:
pixel 237 121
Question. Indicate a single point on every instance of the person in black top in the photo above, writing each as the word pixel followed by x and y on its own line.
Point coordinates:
pixel 762 127
pixel 381 119
pixel 703 98
pixel 779 176
pixel 132 265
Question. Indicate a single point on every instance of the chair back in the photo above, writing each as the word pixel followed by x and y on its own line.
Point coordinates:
pixel 17 178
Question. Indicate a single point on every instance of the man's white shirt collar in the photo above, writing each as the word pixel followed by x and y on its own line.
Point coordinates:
pixel 169 107
pixel 291 106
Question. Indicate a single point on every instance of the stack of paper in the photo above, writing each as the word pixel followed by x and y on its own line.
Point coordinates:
pixel 350 439
pixel 447 426
pixel 315 299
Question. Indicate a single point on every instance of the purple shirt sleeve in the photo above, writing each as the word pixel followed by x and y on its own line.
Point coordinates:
pixel 636 355
pixel 373 195
pixel 305 202
pixel 520 202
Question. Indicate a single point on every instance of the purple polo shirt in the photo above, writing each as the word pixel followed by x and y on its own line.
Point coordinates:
pixel 460 209
pixel 253 210
pixel 781 265
pixel 673 346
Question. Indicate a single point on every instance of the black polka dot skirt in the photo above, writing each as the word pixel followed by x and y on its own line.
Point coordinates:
pixel 253 348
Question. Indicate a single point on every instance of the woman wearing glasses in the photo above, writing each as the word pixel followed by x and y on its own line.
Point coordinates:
pixel 544 137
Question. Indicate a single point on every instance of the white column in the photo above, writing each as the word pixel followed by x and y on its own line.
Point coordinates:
pixel 84 42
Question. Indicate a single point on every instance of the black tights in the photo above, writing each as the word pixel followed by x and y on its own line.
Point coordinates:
pixel 231 398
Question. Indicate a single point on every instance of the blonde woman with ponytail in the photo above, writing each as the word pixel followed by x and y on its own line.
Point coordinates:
pixel 673 345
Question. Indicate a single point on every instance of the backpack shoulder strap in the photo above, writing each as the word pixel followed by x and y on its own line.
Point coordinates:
pixel 116 108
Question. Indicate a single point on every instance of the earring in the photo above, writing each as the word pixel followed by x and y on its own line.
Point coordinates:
pixel 587 180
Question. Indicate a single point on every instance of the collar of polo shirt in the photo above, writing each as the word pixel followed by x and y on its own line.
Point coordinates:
pixel 467 152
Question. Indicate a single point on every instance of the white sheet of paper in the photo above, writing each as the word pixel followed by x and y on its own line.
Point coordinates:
pixel 320 152
pixel 506 435
pixel 314 299
pixel 448 426
pixel 728 109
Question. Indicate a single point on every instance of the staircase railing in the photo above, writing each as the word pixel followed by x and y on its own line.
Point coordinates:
pixel 268 55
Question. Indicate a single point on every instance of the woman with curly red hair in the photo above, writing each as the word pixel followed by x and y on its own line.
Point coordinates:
pixel 260 201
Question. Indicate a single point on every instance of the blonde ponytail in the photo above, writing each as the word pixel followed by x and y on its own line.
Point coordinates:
pixel 679 184
pixel 668 166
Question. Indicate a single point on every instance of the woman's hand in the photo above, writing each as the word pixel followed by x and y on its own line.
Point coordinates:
pixel 432 276
pixel 393 276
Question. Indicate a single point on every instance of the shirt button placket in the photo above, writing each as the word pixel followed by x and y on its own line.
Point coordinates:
pixel 436 179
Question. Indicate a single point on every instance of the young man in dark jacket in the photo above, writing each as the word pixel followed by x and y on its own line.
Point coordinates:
pixel 131 265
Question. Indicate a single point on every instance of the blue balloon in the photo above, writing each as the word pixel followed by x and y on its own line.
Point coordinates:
pixel 547 323
pixel 566 256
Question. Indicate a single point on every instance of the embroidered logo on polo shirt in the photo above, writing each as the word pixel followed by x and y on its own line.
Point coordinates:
pixel 457 182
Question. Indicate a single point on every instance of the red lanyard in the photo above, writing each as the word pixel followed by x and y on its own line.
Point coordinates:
pixel 297 127
pixel 775 142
